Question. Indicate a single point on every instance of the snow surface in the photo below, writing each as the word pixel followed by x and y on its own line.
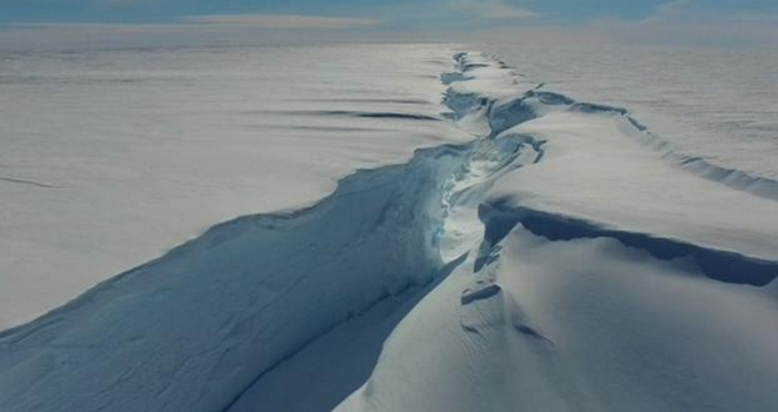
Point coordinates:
pixel 590 163
pixel 615 294
pixel 111 157
pixel 716 104
pixel 557 257
pixel 631 287
pixel 583 325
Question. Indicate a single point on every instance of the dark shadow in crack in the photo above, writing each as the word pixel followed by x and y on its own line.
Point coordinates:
pixel 336 363
pixel 724 266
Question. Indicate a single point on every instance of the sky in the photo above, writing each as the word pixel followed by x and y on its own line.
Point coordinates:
pixel 735 22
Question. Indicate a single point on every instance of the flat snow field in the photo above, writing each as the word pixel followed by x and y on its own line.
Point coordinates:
pixel 389 228
pixel 713 103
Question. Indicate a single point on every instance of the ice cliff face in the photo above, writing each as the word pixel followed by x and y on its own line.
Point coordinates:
pixel 536 268
pixel 607 277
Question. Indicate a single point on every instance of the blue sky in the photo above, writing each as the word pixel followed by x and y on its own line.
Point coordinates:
pixel 396 13
pixel 718 22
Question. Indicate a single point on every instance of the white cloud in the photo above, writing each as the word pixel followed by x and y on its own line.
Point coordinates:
pixel 492 9
pixel 282 21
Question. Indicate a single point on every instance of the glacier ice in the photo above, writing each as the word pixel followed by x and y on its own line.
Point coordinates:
pixel 552 263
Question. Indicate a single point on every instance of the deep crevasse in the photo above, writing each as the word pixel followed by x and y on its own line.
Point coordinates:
pixel 194 329
pixel 404 290
pixel 588 293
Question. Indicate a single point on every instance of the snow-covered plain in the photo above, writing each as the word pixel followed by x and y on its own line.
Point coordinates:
pixel 111 157
pixel 609 278
pixel 539 253
pixel 714 103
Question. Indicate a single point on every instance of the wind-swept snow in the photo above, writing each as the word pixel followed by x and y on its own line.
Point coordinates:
pixel 556 262
pixel 584 325
pixel 591 162
pixel 608 279
pixel 716 105
pixel 111 157
pixel 597 286
pixel 193 329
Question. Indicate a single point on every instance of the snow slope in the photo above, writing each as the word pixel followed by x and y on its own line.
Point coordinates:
pixel 111 157
pixel 608 279
pixel 580 325
pixel 715 104
pixel 557 261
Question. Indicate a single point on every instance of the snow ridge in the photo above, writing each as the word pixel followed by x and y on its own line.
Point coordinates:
pixel 505 108
pixel 194 328
pixel 560 310
pixel 199 327
pixel 719 265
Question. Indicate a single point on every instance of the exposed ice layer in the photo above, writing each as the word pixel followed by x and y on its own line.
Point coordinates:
pixel 580 325
pixel 569 292
pixel 194 328
pixel 596 168
pixel 566 310
pixel 497 87
pixel 214 322
pixel 724 266
pixel 344 357
pixel 335 364
pixel 717 104
pixel 593 171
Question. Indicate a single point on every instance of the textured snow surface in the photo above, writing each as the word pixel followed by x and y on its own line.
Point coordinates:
pixel 582 325
pixel 545 254
pixel 109 158
pixel 715 104
pixel 609 278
